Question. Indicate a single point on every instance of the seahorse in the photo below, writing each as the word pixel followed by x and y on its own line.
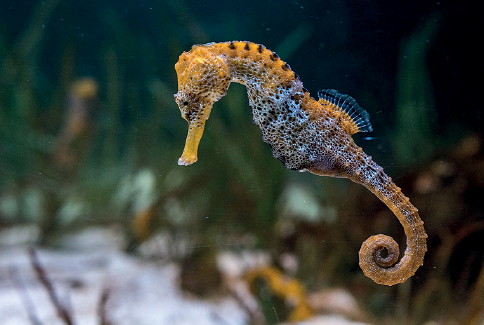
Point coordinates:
pixel 304 134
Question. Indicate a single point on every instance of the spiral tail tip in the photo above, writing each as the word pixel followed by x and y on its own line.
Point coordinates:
pixel 382 269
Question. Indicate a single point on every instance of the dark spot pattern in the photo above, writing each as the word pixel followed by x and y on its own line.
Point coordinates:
pixel 274 57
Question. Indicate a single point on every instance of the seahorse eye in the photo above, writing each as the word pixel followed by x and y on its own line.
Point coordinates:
pixel 185 103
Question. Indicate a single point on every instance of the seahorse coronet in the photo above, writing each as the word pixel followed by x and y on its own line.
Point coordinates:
pixel 304 134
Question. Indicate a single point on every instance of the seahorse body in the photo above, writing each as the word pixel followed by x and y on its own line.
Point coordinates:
pixel 303 133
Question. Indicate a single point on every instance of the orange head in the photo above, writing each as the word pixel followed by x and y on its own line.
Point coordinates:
pixel 203 78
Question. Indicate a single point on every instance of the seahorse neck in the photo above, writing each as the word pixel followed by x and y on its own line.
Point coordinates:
pixel 240 74
pixel 252 74
pixel 254 66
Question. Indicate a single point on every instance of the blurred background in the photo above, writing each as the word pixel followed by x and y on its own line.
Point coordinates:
pixel 90 136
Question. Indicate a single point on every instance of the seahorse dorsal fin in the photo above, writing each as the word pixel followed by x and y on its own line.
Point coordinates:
pixel 358 118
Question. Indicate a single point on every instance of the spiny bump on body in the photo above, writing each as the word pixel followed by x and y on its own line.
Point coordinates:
pixel 274 57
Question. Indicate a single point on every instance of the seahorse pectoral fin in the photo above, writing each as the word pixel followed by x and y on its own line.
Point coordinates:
pixel 195 132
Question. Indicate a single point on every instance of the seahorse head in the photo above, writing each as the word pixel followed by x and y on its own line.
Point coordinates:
pixel 203 78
